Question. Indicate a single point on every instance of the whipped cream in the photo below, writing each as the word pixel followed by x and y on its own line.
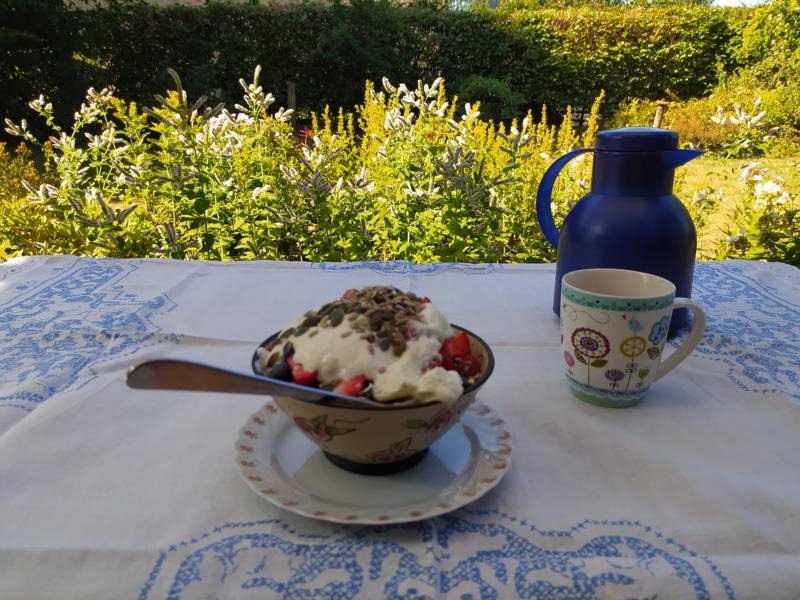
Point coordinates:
pixel 397 350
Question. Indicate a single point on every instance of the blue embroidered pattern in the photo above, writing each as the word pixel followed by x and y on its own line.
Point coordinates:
pixel 56 331
pixel 402 267
pixel 498 556
pixel 750 328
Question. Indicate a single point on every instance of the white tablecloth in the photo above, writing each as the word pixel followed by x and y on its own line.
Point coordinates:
pixel 107 492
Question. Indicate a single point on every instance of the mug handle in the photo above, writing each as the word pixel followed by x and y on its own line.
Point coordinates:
pixel 698 329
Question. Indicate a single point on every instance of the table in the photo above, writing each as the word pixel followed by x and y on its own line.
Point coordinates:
pixel 108 492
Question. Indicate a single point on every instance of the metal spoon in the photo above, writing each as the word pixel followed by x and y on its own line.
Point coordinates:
pixel 168 374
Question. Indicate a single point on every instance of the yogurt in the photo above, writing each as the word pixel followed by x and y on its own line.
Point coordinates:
pixel 391 337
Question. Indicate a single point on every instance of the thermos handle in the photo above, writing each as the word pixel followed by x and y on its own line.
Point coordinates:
pixel 544 196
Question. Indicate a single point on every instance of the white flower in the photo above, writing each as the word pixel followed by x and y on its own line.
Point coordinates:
pixel 732 239
pixel 259 191
pixel 470 114
pixel 699 197
pixel 768 188
pixel 753 171
pixel 387 85
pixel 284 114
pixel 720 118
pixel 739 115
pixel 441 112
pixel 40 104
pixel 63 142
pixel 289 173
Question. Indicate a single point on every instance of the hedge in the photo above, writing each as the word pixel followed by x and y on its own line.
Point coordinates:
pixel 510 59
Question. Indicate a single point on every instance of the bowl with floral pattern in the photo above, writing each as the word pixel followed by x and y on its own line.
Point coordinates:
pixel 380 440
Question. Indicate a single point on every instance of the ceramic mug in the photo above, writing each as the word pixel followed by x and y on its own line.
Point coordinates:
pixel 614 324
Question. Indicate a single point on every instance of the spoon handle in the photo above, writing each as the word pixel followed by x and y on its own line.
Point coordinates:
pixel 169 374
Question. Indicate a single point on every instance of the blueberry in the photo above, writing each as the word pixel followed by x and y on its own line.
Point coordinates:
pixel 281 371
pixel 288 350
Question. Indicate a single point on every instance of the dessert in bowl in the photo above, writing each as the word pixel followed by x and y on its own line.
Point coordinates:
pixel 387 345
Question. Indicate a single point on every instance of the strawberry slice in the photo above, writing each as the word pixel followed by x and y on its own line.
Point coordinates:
pixel 300 375
pixel 468 366
pixel 352 386
pixel 456 345
pixel 456 355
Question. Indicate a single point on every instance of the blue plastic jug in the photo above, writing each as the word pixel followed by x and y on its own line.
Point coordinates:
pixel 629 219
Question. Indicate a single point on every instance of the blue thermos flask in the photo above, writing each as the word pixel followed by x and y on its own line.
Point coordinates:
pixel 630 218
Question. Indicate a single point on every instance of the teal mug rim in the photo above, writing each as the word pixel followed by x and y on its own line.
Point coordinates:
pixel 616 302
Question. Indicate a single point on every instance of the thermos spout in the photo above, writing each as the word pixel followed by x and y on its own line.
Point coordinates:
pixel 676 158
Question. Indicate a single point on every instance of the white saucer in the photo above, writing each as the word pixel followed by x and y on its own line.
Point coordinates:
pixel 280 464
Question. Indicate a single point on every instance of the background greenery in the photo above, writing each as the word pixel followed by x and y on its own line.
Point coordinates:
pixel 388 172
pixel 510 59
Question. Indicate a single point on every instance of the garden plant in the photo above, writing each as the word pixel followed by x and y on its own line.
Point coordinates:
pixel 410 174
pixel 412 171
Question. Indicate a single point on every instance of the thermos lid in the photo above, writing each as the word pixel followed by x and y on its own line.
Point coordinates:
pixel 636 139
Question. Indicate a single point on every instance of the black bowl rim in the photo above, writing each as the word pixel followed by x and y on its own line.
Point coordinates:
pixel 470 388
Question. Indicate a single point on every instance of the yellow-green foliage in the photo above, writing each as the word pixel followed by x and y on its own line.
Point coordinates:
pixel 409 175
pixel 697 120
pixel 743 209
pixel 21 222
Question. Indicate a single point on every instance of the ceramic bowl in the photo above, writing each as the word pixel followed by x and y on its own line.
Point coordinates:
pixel 381 440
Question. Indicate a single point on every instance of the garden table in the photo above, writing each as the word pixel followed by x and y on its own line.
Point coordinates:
pixel 110 492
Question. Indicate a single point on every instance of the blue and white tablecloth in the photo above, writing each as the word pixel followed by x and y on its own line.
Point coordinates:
pixel 107 492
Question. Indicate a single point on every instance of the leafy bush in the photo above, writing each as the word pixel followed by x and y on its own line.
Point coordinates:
pixel 723 121
pixel 509 59
pixel 769 77
pixel 22 224
pixel 771 42
pixel 408 175
pixel 631 52
pixel 765 223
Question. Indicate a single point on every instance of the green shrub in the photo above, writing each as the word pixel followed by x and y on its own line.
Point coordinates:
pixel 631 52
pixel 771 41
pixel 706 122
pixel 22 223
pixel 765 223
pixel 510 59
pixel 409 175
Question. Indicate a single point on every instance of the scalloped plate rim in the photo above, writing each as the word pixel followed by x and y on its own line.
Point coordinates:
pixel 485 416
